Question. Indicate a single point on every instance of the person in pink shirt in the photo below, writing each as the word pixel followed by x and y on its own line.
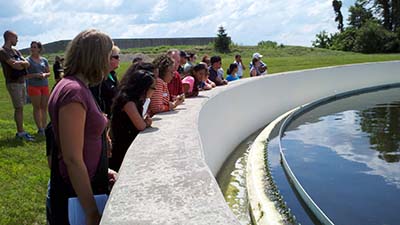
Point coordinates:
pixel 191 83
pixel 175 86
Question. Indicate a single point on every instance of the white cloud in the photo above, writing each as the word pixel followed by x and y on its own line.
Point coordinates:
pixel 346 130
pixel 293 22
pixel 158 9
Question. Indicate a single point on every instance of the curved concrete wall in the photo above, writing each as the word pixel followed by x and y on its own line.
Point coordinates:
pixel 167 176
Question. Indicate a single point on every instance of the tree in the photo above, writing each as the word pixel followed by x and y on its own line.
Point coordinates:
pixel 366 33
pixel 344 41
pixel 396 15
pixel 339 17
pixel 359 15
pixel 385 10
pixel 374 38
pixel 222 41
pixel 388 12
pixel 268 44
pixel 322 40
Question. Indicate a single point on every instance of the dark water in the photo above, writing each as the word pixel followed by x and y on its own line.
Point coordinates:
pixel 346 155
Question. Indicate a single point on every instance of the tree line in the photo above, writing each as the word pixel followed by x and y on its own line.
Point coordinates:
pixel 373 27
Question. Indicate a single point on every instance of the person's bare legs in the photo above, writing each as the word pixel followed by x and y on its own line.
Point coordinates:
pixel 19 119
pixel 37 112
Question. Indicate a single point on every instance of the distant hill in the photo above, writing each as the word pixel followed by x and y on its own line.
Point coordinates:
pixel 59 46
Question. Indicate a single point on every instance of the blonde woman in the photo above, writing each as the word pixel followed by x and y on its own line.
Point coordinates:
pixel 105 92
pixel 78 125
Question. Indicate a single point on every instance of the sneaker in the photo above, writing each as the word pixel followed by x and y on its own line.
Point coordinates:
pixel 25 136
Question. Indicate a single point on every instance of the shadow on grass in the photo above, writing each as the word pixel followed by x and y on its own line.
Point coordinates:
pixel 11 143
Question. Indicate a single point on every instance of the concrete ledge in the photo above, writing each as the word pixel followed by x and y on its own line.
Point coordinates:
pixel 167 176
pixel 262 208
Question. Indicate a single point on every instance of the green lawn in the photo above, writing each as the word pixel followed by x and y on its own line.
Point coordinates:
pixel 23 167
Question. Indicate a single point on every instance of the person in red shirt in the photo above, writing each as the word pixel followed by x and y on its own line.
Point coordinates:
pixel 175 86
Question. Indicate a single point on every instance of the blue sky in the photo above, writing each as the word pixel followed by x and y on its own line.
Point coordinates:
pixel 291 22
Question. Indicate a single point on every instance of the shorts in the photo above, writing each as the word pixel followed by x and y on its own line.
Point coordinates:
pixel 17 94
pixel 38 90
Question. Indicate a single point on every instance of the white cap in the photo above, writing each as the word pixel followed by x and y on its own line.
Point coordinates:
pixel 257 55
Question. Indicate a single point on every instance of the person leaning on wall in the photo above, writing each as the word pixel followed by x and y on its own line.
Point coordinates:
pixel 129 111
pixel 160 101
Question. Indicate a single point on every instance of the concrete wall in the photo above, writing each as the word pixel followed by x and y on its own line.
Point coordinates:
pixel 167 176
pixel 58 46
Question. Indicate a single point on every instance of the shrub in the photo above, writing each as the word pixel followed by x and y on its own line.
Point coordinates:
pixel 374 38
pixel 344 41
pixel 323 40
pixel 267 44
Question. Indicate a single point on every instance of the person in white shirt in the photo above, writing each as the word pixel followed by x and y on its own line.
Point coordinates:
pixel 262 67
pixel 241 67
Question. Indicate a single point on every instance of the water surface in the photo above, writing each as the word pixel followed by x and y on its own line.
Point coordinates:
pixel 346 155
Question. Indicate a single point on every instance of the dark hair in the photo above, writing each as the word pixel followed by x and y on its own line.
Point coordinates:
pixel 143 66
pixel 39 44
pixel 193 70
pixel 133 87
pixel 198 67
pixel 191 54
pixel 215 59
pixel 137 59
pixel 254 60
pixel 232 67
pixel 237 56
pixel 162 62
pixel 183 54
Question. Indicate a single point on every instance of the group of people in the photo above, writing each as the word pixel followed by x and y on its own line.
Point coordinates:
pixel 26 76
pixel 94 116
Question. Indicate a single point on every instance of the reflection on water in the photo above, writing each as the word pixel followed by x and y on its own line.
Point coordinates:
pixel 382 123
pixel 346 155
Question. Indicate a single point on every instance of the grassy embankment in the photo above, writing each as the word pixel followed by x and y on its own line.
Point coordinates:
pixel 23 167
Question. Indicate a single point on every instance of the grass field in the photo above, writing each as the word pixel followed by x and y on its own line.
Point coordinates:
pixel 23 167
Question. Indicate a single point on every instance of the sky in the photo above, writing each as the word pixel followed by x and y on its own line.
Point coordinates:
pixel 290 22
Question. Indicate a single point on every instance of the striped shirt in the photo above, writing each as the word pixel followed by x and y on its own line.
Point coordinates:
pixel 160 99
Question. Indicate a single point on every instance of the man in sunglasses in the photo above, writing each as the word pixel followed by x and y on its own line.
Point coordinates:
pixel 14 69
pixel 106 91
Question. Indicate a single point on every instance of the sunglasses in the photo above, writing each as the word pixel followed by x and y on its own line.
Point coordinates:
pixel 115 57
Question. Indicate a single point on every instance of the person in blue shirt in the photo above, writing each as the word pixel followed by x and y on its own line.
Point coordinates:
pixel 231 72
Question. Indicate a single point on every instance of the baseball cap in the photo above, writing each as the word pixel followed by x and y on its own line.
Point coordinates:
pixel 183 54
pixel 257 55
